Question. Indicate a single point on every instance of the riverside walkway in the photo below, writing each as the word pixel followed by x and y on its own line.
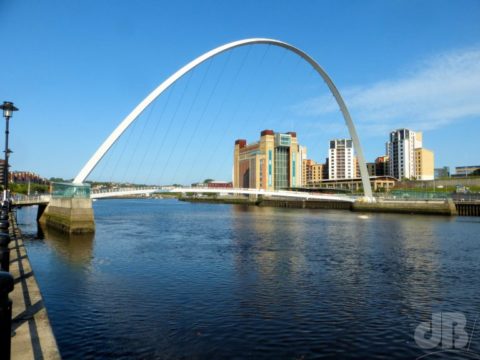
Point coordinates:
pixel 32 335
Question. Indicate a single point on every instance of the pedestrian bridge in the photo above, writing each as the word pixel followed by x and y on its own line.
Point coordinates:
pixel 220 191
pixel 27 200
pixel 138 191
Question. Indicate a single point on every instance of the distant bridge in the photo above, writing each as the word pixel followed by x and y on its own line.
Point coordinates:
pixel 134 191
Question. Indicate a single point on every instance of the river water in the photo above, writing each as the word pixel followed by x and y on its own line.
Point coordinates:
pixel 163 279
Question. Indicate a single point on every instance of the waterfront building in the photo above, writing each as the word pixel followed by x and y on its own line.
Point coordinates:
pixel 219 184
pixel 303 157
pixel 325 169
pixel 213 184
pixel 272 163
pixel 24 177
pixel 465 170
pixel 424 164
pixel 356 167
pixel 382 166
pixel 443 172
pixel 407 158
pixel 401 152
pixel 312 172
pixel 371 167
pixel 341 160
pixel 378 183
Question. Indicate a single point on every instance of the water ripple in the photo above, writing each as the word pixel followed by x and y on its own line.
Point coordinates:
pixel 163 279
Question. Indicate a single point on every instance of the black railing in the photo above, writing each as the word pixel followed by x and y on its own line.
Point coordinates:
pixel 6 284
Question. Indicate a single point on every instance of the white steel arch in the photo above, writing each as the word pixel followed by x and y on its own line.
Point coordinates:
pixel 107 144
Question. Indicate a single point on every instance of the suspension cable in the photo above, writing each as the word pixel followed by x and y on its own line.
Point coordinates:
pixel 154 132
pixel 255 74
pixel 139 138
pixel 214 119
pixel 242 65
pixel 172 118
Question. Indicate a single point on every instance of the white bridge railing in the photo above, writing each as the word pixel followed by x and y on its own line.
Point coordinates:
pixel 221 191
pixel 119 192
pixel 275 193
pixel 116 192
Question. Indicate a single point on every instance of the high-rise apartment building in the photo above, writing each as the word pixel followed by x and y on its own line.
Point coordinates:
pixel 401 152
pixel 273 163
pixel 341 160
pixel 407 158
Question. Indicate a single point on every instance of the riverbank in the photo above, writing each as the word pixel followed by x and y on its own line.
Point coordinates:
pixel 32 335
pixel 423 207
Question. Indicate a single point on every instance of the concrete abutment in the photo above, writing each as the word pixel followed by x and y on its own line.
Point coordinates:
pixel 71 215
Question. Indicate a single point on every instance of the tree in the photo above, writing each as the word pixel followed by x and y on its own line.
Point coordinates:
pixel 206 181
pixel 476 172
pixel 56 179
pixel 23 188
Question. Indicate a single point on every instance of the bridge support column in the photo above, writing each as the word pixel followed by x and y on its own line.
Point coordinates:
pixel 41 210
pixel 70 209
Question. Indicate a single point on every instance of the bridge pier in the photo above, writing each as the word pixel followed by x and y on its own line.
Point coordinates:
pixel 41 210
pixel 70 209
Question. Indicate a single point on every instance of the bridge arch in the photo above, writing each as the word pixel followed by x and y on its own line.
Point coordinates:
pixel 113 137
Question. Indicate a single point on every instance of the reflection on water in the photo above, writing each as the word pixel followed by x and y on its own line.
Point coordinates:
pixel 75 248
pixel 167 279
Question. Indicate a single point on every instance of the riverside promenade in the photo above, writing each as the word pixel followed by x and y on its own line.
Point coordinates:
pixel 32 335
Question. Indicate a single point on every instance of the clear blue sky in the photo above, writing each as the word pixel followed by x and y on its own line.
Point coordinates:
pixel 76 68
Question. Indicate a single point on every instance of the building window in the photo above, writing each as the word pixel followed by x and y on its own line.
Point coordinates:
pixel 282 161
pixel 269 167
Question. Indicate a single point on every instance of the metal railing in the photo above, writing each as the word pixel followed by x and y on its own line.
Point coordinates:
pixel 19 199
pixel 6 284
pixel 470 197
pixel 127 189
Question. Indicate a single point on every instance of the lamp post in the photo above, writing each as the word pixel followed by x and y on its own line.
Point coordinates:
pixel 8 109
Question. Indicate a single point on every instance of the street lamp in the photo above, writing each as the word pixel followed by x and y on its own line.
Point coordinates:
pixel 8 109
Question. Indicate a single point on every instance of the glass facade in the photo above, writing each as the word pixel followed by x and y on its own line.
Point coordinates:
pixel 283 140
pixel 282 155
pixel 269 167
pixel 261 174
pixel 294 168
pixel 69 190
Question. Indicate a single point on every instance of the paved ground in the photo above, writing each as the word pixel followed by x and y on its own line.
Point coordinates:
pixel 32 334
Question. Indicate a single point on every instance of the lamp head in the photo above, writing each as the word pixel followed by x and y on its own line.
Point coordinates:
pixel 8 109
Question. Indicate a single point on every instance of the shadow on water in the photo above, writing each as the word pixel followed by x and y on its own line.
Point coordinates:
pixel 76 248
